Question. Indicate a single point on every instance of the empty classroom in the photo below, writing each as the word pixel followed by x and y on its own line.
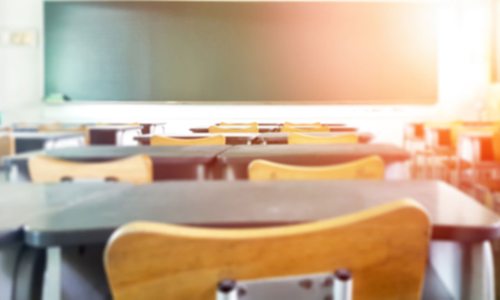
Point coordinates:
pixel 251 150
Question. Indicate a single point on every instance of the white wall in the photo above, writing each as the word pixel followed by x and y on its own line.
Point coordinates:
pixel 20 67
pixel 464 41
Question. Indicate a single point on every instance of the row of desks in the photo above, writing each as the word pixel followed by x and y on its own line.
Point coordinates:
pixel 131 135
pixel 215 162
pixel 74 217
pixel 276 127
pixel 86 213
pixel 268 138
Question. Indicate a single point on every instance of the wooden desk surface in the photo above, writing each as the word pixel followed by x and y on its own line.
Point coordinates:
pixel 91 217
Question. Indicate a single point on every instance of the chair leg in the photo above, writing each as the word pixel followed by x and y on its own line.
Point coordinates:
pixel 227 290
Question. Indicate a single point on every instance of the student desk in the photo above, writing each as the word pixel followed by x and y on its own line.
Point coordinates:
pixel 262 128
pixel 48 127
pixel 169 162
pixel 460 251
pixel 18 204
pixel 276 128
pixel 120 135
pixel 282 137
pixel 231 138
pixel 30 141
pixel 233 163
pixel 154 128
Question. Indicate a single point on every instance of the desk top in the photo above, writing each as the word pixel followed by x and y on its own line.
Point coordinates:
pixel 22 202
pixel 45 135
pixel 114 127
pixel 102 153
pixel 282 137
pixel 261 129
pixel 231 138
pixel 92 217
pixel 273 128
pixel 312 154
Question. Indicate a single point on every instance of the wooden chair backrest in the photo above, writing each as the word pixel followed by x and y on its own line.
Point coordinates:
pixel 290 124
pixel 249 124
pixel 321 128
pixel 7 144
pixel 385 248
pixel 300 138
pixel 239 129
pixel 204 141
pixel 136 169
pixel 371 167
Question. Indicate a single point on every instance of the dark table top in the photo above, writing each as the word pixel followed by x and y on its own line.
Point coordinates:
pixel 45 135
pixel 114 127
pixel 271 128
pixel 261 129
pixel 231 138
pixel 169 162
pixel 312 154
pixel 91 217
pixel 102 153
pixel 32 141
pixel 282 137
pixel 22 202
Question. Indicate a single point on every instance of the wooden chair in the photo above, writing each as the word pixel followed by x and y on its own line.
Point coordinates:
pixel 299 138
pixel 136 169
pixel 223 129
pixel 204 141
pixel 371 167
pixel 290 128
pixel 250 124
pixel 315 124
pixel 7 144
pixel 384 247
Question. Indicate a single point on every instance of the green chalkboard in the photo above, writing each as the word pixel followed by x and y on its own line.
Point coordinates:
pixel 273 52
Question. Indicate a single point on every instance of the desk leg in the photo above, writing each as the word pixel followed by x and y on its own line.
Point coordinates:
pixel 481 271
pixel 119 137
pixel 200 172
pixel 229 173
pixel 71 273
pixel 13 173
pixel 29 270
pixel 466 269
pixel 52 277
pixel 82 273
pixel 397 171
pixel 8 257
